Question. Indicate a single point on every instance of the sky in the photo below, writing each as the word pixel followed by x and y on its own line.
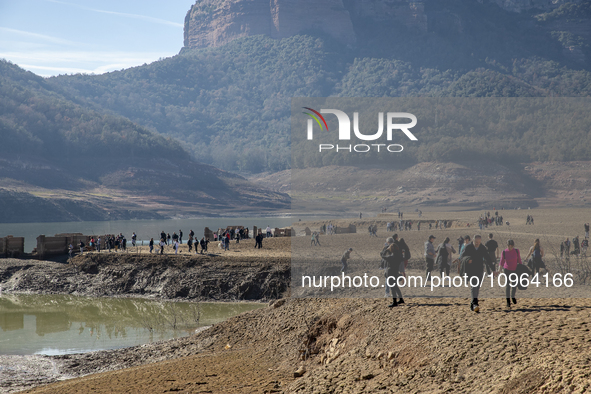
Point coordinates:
pixel 53 37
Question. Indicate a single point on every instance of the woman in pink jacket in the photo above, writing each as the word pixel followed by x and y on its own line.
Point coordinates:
pixel 509 260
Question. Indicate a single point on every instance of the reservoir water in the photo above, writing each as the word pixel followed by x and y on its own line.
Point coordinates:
pixel 145 229
pixel 63 324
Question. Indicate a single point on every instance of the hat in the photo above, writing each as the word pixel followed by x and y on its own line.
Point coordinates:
pixel 431 236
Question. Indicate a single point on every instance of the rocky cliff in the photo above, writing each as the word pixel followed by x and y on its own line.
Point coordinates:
pixel 212 23
pixel 526 5
pixel 216 22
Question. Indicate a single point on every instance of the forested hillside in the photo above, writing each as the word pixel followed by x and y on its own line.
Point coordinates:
pixel 60 161
pixel 230 105
pixel 34 120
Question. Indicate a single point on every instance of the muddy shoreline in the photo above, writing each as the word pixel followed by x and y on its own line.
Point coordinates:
pixel 210 277
pixel 19 373
pixel 238 275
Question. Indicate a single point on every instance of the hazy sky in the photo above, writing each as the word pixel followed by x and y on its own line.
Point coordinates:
pixel 51 37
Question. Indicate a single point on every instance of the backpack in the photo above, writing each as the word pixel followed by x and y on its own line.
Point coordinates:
pixel 520 270
pixel 406 252
pixel 442 256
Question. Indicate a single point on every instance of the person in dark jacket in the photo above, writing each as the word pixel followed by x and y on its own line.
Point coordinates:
pixel 429 257
pixel 392 255
pixel 479 256
pixel 442 257
pixel 258 241
pixel 405 256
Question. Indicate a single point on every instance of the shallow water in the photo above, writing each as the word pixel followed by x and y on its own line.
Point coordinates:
pixel 61 324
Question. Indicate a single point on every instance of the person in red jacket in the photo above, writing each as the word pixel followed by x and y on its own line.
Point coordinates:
pixel 509 260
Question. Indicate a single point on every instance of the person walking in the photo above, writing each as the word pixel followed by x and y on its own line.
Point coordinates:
pixel 405 255
pixel 584 246
pixel 565 248
pixel 151 245
pixel 509 260
pixel 346 256
pixel 576 246
pixel 70 250
pixel 537 253
pixel 493 248
pixel 474 267
pixel 443 257
pixel 467 240
pixel 162 243
pixel 392 255
pixel 203 245
pixel 460 243
pixel 429 257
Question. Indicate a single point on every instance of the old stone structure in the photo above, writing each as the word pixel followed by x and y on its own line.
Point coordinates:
pixel 58 244
pixel 208 234
pixel 350 229
pixel 12 246
pixel 284 232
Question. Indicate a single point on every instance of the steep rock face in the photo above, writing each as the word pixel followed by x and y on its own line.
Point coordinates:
pixel 406 12
pixel 525 5
pixel 212 23
pixel 290 17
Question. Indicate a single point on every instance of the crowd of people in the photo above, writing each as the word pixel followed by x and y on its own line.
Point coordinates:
pixel 474 256
pixel 486 220
pixel 157 245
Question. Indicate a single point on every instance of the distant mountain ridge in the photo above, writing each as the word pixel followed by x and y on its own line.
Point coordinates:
pixel 60 161
pixel 229 105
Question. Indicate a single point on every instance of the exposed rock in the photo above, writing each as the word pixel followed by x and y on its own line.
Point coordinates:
pixel 299 372
pixel 212 23
pixel 197 277
pixel 525 5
